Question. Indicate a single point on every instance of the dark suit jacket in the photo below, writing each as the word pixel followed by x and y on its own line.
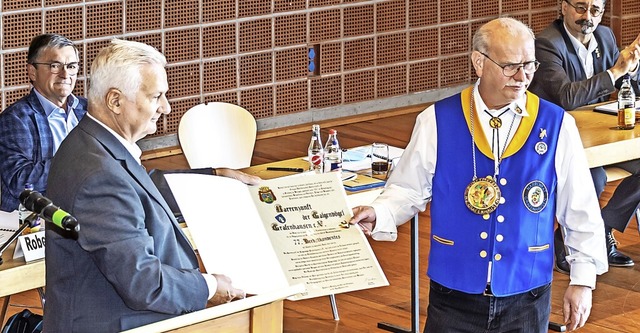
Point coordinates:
pixel 26 147
pixel 561 78
pixel 130 264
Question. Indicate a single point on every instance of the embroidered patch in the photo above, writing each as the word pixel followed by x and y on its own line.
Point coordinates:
pixel 535 196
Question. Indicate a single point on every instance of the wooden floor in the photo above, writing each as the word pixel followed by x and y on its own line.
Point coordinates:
pixel 616 300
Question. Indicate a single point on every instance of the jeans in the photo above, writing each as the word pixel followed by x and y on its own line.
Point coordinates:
pixel 452 311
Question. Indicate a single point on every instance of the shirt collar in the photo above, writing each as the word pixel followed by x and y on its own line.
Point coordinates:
pixel 49 107
pixel 591 46
pixel 519 104
pixel 133 149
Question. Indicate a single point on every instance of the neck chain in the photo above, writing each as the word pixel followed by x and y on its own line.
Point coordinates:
pixel 482 195
pixel 495 123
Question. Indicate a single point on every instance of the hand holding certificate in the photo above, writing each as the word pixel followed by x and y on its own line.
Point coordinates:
pixel 282 232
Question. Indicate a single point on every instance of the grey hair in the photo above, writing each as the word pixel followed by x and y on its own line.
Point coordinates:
pixel 482 37
pixel 41 42
pixel 118 66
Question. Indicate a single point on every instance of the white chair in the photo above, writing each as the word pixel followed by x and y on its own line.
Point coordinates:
pixel 218 135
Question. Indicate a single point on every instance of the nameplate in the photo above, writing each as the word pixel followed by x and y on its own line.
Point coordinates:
pixel 31 246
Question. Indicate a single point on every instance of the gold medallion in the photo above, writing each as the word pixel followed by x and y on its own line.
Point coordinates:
pixel 482 195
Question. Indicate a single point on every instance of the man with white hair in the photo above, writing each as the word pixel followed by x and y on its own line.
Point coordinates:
pixel 130 264
pixel 498 164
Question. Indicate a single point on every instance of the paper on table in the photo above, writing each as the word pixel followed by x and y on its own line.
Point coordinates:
pixel 8 225
pixel 353 164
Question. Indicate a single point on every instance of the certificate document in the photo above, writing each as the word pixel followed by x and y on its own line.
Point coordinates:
pixel 284 231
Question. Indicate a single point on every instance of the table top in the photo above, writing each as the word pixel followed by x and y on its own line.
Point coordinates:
pixel 603 142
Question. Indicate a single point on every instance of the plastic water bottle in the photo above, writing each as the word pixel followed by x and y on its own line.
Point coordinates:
pixel 23 212
pixel 315 152
pixel 626 105
pixel 332 153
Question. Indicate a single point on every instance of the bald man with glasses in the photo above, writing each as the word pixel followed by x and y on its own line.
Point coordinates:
pixel 34 126
pixel 580 64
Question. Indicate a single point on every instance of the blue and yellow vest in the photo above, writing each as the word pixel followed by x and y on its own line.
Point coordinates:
pixel 518 236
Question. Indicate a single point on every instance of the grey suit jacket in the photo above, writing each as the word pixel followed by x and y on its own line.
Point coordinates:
pixel 561 78
pixel 130 264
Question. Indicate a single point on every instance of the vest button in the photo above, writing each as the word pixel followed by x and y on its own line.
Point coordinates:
pixel 486 216
pixel 484 235
pixel 500 218
pixel 498 257
pixel 499 238
pixel 483 254
pixel 503 181
pixel 502 200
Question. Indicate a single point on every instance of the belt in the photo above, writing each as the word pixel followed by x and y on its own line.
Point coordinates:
pixel 487 291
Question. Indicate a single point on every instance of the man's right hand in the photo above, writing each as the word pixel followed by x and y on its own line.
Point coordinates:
pixel 627 60
pixel 225 292
pixel 365 217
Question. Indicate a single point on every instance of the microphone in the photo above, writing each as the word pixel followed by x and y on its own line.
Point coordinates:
pixel 41 205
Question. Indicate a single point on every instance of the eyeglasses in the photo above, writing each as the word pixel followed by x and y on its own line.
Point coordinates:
pixel 55 67
pixel 580 9
pixel 510 70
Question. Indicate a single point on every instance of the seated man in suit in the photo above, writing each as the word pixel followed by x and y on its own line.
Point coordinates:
pixel 580 64
pixel 130 264
pixel 33 127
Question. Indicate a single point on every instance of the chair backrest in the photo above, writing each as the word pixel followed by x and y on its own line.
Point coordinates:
pixel 219 135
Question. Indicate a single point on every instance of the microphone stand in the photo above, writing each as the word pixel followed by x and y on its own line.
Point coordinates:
pixel 28 222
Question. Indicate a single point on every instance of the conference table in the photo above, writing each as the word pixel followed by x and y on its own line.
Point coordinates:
pixel 603 143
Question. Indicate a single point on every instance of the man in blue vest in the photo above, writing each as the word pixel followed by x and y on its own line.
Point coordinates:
pixel 580 64
pixel 498 164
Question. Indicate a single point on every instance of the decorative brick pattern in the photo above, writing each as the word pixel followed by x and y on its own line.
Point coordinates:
pixel 255 35
pixel 218 10
pixel 11 96
pixel 171 121
pixel 292 97
pixel 358 21
pixel 15 72
pixel 143 15
pixel 357 54
pixel 330 58
pixel 184 80
pixel 423 76
pixel 219 75
pixel 391 16
pixel 181 13
pixel 57 21
pixel 258 101
pixel 422 13
pixel 455 71
pixel 326 91
pixel 10 5
pixel 423 44
pixel 485 8
pixel 455 39
pixel 360 86
pixel 515 5
pixel 454 10
pixel 541 20
pixel 182 45
pixel 104 19
pixel 255 69
pixel 219 40
pixel 391 48
pixel 18 29
pixel 392 81
pixel 227 97
pixel 323 3
pixel 291 64
pixel 248 8
pixel 324 25
pixel 288 5
pixel 290 30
